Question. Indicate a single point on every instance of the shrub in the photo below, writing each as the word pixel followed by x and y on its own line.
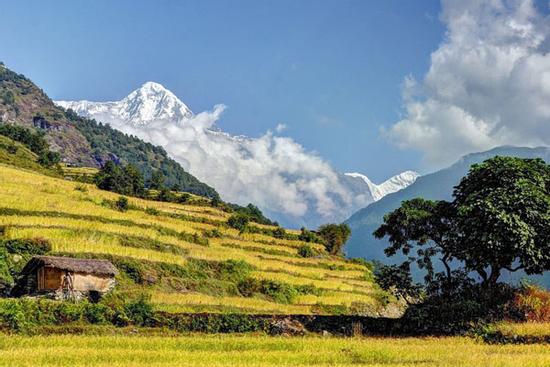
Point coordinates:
pixel 530 303
pixel 306 251
pixel 152 211
pixel 214 233
pixel 24 246
pixel 67 312
pixel 166 195
pixel 234 270
pixel 238 221
pixel 184 198
pixel 132 268
pixel 140 311
pixel 279 233
pixel 97 313
pixel 12 316
pixel 122 204
pixel 49 158
pixel 307 236
pixel 277 291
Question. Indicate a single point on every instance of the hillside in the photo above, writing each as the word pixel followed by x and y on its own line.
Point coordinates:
pixel 185 257
pixel 84 142
pixel 436 186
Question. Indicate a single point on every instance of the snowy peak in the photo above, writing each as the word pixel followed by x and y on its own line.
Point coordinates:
pixel 395 183
pixel 150 102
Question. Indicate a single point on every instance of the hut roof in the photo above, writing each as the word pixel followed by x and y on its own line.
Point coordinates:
pixel 90 266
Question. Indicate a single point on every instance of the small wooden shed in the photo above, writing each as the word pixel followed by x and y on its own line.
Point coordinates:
pixel 65 277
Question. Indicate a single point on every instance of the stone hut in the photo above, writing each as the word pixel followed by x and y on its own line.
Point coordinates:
pixel 66 278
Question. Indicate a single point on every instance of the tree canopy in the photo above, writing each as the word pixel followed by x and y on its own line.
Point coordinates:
pixel 334 237
pixel 126 180
pixel 498 220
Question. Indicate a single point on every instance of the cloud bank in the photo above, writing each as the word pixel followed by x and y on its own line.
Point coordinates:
pixel 271 171
pixel 488 83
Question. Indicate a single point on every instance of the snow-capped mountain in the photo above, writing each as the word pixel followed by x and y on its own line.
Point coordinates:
pixel 293 186
pixel 151 102
pixel 395 183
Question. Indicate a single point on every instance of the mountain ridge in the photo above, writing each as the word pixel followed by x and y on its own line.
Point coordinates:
pixel 150 102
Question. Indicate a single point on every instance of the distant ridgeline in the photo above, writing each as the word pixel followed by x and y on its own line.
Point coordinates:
pixel 85 142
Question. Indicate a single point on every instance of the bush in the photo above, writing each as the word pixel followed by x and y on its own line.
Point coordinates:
pixel 277 291
pixel 97 313
pixel 140 311
pixel 24 246
pixel 122 204
pixel 307 236
pixel 238 221
pixel 49 159
pixel 132 268
pixel 279 233
pixel 152 211
pixel 530 303
pixel 214 233
pixel 453 306
pixel 306 251
pixel 184 198
pixel 166 195
pixel 12 316
pixel 234 270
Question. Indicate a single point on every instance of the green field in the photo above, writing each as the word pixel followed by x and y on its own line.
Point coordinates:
pixel 252 350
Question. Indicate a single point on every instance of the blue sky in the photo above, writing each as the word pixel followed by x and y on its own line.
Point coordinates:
pixel 331 71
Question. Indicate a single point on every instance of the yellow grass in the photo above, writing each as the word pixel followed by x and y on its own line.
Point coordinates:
pixel 179 302
pixel 254 350
pixel 524 328
pixel 96 228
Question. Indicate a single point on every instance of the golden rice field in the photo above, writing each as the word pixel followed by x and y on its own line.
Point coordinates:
pixel 258 350
pixel 535 329
pixel 74 217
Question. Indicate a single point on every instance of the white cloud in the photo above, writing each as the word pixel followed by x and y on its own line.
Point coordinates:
pixel 488 83
pixel 271 171
pixel 280 128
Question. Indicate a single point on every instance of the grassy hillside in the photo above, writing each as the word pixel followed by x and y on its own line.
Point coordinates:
pixel 85 142
pixel 184 256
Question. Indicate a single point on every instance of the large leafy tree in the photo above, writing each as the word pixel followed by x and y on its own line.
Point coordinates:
pixel 499 220
pixel 503 217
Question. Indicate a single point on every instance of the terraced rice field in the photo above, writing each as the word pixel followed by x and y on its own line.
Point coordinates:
pixel 238 350
pixel 77 218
